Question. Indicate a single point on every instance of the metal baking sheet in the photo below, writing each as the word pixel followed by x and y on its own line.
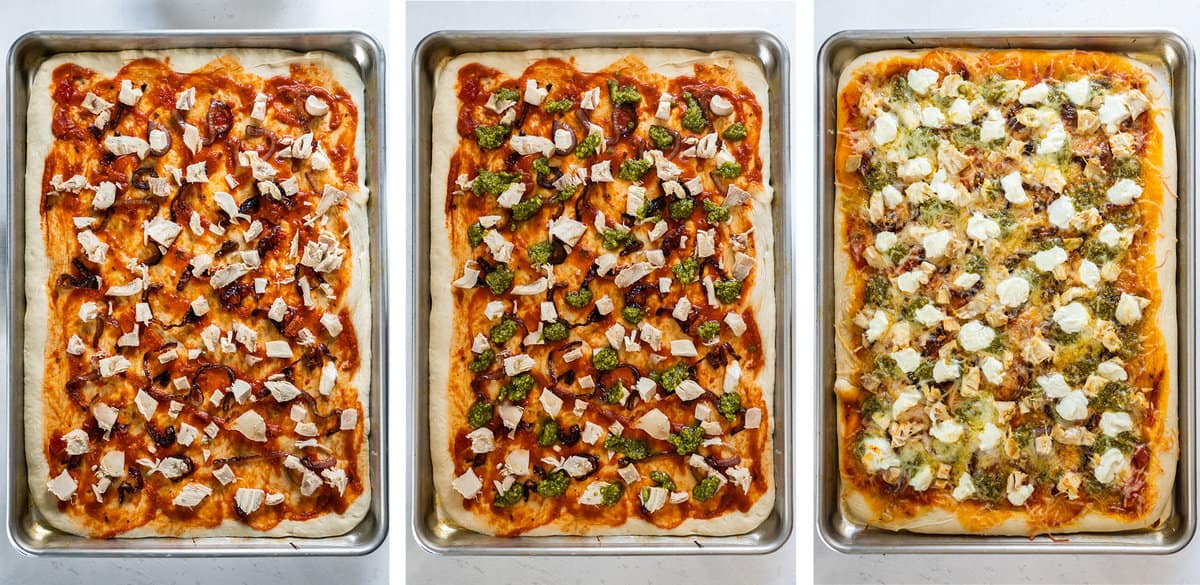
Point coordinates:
pixel 26 528
pixel 834 528
pixel 441 538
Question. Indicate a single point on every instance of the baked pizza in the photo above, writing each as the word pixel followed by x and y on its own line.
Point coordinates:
pixel 1005 295
pixel 601 347
pixel 197 328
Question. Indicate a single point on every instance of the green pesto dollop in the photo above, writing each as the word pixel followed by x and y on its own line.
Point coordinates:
pixel 565 194
pixel 687 271
pixel 490 137
pixel 709 330
pixel 728 291
pixel 578 299
pixel 615 239
pixel 682 209
pixel 878 289
pixel 662 480
pixel 633 315
pixel 735 131
pixel 706 488
pixel 716 213
pixel 503 331
pixel 688 440
pixel 729 404
pixel 623 94
pixel 729 170
pixel 510 497
pixel 517 388
pixel 526 209
pixel 612 394
pixel 556 331
pixel 671 377
pixel 605 359
pixel 480 414
pixel 500 279
pixel 588 146
pixel 555 485
pixel 541 166
pixel 661 137
pixel 540 252
pixel 558 106
pixel 634 449
pixel 475 235
pixel 693 116
pixel 483 361
pixel 611 493
pixel 547 434
pixel 490 183
pixel 633 169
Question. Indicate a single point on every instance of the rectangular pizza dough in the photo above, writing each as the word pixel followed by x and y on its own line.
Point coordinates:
pixel 669 62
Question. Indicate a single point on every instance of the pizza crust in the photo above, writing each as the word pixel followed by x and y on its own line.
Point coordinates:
pixel 668 62
pixel 940 520
pixel 357 298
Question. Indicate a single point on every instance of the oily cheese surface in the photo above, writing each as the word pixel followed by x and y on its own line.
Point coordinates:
pixel 463 85
pixel 1024 403
pixel 188 228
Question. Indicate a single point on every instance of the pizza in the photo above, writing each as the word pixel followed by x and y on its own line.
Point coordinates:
pixel 1005 301
pixel 198 313
pixel 602 317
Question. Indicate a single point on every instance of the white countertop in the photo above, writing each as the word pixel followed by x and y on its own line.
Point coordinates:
pixel 423 568
pixel 833 567
pixel 21 16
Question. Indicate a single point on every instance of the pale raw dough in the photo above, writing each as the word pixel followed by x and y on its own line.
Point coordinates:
pixel 938 520
pixel 668 62
pixel 357 298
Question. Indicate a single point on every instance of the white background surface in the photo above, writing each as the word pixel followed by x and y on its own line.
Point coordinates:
pixel 20 16
pixel 834 16
pixel 774 569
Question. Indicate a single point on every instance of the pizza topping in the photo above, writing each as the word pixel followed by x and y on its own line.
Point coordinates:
pixel 63 486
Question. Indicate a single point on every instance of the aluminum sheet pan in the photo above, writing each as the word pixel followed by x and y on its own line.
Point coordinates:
pixel 26 528
pixel 441 538
pixel 1150 45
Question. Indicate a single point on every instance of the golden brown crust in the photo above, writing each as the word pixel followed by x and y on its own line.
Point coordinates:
pixel 1149 272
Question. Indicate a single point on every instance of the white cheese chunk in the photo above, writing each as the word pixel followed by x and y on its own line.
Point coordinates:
pixel 975 336
pixel 1129 309
pixel 1072 318
pixel 1123 192
pixel 1073 406
pixel 1014 190
pixel 878 454
pixel 1111 465
pixel 981 228
pixel 922 80
pixel 63 486
pixel 1013 291
pixel 1048 260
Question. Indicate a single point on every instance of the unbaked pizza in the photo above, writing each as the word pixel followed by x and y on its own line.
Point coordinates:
pixel 1006 292
pixel 601 347
pixel 197 323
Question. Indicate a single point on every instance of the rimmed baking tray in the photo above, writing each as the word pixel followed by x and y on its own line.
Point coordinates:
pixel 26 528
pixel 441 538
pixel 1166 46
